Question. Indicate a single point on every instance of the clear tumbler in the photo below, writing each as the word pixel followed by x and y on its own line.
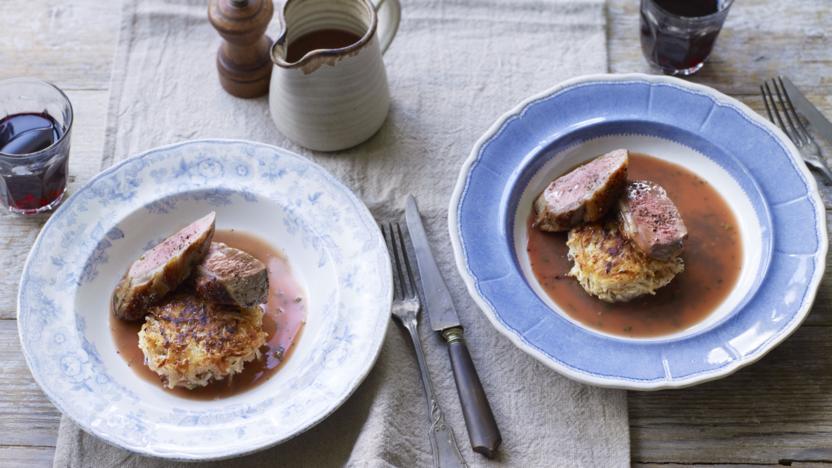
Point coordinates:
pixel 678 35
pixel 35 127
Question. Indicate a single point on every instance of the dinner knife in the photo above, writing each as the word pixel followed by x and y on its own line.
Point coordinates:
pixel 479 419
pixel 817 121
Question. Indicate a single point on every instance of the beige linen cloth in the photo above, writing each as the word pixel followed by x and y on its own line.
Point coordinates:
pixel 454 68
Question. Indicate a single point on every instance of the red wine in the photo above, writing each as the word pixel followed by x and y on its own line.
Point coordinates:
pixel 676 36
pixel 29 184
pixel 28 133
pixel 689 8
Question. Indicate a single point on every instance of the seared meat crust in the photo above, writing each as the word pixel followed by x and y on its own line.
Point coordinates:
pixel 161 269
pixel 650 219
pixel 583 195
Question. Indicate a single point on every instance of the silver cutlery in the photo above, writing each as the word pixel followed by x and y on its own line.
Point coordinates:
pixel 781 111
pixel 479 419
pixel 406 307
pixel 817 121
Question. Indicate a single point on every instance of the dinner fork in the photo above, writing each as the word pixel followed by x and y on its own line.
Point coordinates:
pixel 406 307
pixel 792 126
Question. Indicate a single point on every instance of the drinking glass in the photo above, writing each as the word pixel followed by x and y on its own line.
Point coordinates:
pixel 33 178
pixel 678 35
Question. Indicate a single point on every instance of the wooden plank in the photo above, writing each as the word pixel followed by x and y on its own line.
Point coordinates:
pixel 68 43
pixel 761 38
pixel 16 456
pixel 821 314
pixel 763 415
pixel 732 465
pixel 695 426
pixel 17 234
pixel 777 409
pixel 26 415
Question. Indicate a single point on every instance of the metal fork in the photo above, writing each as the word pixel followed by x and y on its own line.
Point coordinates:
pixel 406 307
pixel 792 126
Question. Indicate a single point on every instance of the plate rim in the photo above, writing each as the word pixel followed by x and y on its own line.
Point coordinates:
pixel 607 381
pixel 182 456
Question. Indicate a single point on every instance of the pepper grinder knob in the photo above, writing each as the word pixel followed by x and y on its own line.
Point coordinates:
pixel 244 58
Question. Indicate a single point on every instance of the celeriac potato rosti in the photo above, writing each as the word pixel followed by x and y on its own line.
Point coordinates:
pixel 191 342
pixel 610 268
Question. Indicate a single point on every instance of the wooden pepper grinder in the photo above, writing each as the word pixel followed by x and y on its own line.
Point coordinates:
pixel 244 59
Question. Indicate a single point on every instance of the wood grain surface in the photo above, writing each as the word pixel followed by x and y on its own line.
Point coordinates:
pixel 776 412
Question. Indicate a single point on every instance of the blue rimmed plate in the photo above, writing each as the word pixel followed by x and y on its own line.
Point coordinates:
pixel 333 247
pixel 749 161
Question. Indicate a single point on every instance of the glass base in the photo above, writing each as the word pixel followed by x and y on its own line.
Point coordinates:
pixel 683 72
pixel 43 209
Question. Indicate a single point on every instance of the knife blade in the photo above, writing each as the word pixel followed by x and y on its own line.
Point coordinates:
pixel 479 419
pixel 817 121
pixel 438 303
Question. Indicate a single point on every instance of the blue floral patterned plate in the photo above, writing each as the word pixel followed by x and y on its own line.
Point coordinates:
pixel 334 249
pixel 749 161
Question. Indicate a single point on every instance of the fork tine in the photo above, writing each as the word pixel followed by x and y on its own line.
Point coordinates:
pixel 767 93
pixel 411 276
pixel 388 238
pixel 407 273
pixel 765 101
pixel 807 137
pixel 787 113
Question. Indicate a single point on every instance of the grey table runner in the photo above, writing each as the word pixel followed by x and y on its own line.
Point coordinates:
pixel 454 68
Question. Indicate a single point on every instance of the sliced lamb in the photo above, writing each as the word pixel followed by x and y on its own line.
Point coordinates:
pixel 231 276
pixel 162 268
pixel 583 195
pixel 651 221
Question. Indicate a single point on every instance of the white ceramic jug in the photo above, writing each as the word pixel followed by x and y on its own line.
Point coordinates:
pixel 333 99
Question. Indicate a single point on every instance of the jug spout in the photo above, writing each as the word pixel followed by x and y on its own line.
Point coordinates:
pixel 317 32
pixel 279 50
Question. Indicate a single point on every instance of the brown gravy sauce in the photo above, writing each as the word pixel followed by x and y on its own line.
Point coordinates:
pixel 285 315
pixel 713 258
pixel 330 38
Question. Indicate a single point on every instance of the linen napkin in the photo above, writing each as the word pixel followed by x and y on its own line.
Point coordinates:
pixel 454 67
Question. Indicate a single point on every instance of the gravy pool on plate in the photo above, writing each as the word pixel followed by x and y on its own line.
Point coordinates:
pixel 712 255
pixel 283 320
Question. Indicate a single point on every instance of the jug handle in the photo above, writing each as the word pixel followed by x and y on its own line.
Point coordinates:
pixel 389 13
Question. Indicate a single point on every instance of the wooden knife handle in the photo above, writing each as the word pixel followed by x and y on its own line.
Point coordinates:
pixel 482 428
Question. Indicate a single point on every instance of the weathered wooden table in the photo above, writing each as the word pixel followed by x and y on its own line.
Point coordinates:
pixel 778 411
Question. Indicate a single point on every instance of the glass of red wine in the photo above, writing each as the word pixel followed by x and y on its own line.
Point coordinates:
pixel 678 35
pixel 35 126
